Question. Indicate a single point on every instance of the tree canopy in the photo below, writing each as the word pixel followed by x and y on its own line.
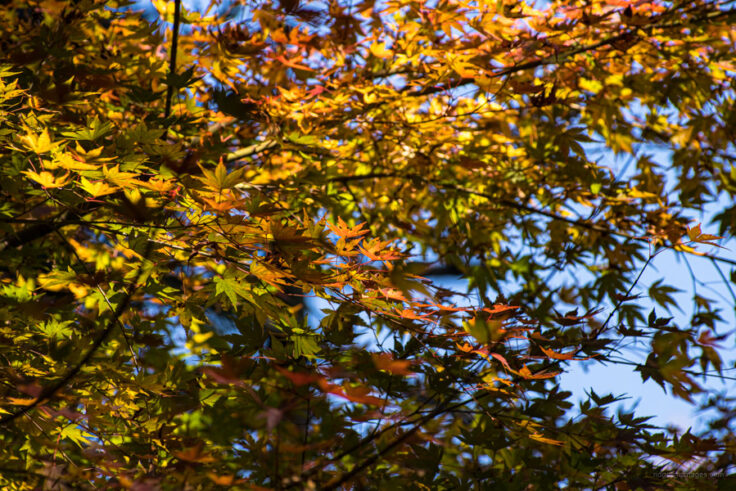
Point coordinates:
pixel 222 228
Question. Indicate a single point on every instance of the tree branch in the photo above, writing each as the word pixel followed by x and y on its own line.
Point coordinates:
pixel 172 58
pixel 251 150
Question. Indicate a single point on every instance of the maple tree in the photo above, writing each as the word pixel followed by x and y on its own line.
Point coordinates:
pixel 176 193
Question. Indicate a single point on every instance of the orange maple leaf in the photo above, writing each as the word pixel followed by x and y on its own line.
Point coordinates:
pixel 562 356
pixel 527 374
pixel 375 250
pixel 353 394
pixel 343 230
pixel 384 361
pixel 194 454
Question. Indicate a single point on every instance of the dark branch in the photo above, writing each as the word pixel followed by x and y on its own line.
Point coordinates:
pixel 172 58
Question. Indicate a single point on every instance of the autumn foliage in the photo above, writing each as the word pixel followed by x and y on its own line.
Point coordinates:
pixel 222 233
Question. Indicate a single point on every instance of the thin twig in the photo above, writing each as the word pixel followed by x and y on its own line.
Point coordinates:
pixel 621 300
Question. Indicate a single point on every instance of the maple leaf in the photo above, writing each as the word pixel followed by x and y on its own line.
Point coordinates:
pixel 527 374
pixel 47 179
pixel 695 234
pixel 344 231
pixel 39 143
pixel 384 361
pixel 377 250
pixel 224 479
pixel 352 393
pixel 379 50
pixel 195 455
pixel 299 378
pixel 561 356
pixel 69 161
pixel 230 287
pixel 538 437
pixel 292 64
pixel 268 273
pixel 159 184
pixel 411 314
pixel 119 178
pixel 96 188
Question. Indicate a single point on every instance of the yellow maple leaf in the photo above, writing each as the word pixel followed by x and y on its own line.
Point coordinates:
pixel 635 193
pixel 47 179
pixel 268 274
pixel 161 185
pixel 538 437
pixel 96 188
pixel 122 179
pixel 165 9
pixel 39 143
pixel 379 50
pixel 67 161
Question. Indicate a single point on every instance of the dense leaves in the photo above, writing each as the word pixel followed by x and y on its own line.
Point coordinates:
pixel 222 232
